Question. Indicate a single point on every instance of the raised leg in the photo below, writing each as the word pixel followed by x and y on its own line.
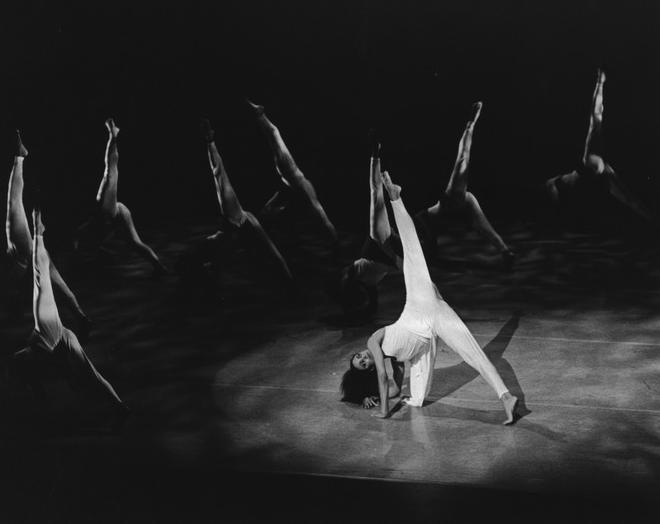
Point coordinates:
pixel 284 162
pixel 47 323
pixel 288 170
pixel 379 223
pixel 107 193
pixel 457 186
pixel 19 238
pixel 592 157
pixel 230 207
pixel 420 290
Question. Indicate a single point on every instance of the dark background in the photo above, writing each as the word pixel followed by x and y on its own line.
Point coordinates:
pixel 326 72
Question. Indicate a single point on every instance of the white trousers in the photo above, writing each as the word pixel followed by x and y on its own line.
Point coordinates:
pixel 424 301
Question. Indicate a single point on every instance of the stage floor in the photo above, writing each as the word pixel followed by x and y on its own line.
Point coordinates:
pixel 234 392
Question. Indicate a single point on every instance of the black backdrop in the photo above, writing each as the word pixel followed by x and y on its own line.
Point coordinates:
pixel 326 72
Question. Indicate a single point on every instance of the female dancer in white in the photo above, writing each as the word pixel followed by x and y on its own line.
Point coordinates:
pixel 53 344
pixel 113 215
pixel 293 179
pixel 426 316
pixel 19 241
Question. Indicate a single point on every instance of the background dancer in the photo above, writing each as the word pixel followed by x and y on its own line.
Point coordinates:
pixel 19 245
pixel 459 203
pixel 243 223
pixel 380 256
pixel 294 181
pixel 595 177
pixel 113 215
pixel 52 344
pixel 426 316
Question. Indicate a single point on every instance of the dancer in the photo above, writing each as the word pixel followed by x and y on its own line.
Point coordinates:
pixel 53 344
pixel 113 215
pixel 19 242
pixel 244 223
pixel 594 176
pixel 426 316
pixel 457 202
pixel 381 253
pixel 295 183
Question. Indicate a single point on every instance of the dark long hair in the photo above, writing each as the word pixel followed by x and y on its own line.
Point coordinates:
pixel 356 384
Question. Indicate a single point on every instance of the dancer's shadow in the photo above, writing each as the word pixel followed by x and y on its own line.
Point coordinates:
pixel 449 379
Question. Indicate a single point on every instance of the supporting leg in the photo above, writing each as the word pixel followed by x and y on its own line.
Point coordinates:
pixel 451 329
pixel 81 373
pixel 107 193
pixel 128 228
pixel 264 244
pixel 483 226
pixel 70 301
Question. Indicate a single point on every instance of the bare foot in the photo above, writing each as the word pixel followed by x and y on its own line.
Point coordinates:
pixel 112 127
pixel 509 402
pixel 476 107
pixel 258 110
pixel 21 151
pixel 207 131
pixel 36 220
pixel 392 189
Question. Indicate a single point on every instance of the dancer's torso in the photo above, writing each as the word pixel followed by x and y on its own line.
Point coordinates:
pixel 409 336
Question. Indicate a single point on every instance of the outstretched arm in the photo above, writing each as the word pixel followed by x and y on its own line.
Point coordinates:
pixel 374 345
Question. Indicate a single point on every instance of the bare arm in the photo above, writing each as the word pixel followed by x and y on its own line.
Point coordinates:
pixel 398 369
pixel 374 345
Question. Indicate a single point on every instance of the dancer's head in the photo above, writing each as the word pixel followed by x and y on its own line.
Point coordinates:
pixel 361 378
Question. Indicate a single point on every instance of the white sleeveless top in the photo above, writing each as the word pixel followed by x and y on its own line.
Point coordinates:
pixel 408 337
